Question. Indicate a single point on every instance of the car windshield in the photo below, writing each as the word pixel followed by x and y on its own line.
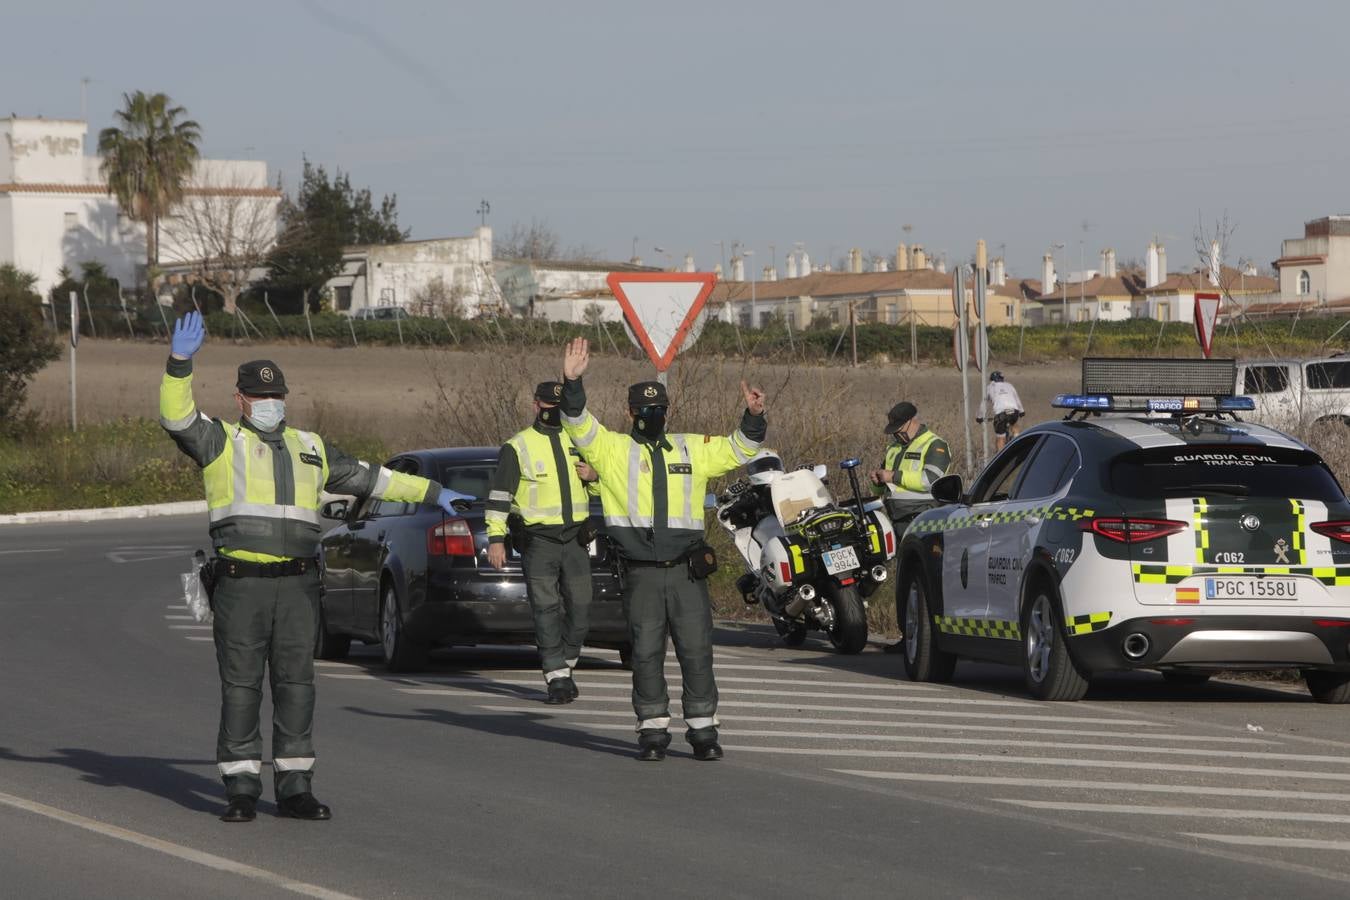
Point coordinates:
pixel 1250 471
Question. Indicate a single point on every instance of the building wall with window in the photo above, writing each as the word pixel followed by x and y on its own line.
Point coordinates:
pixel 1317 265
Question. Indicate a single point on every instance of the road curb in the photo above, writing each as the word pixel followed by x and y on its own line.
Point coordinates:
pixel 151 510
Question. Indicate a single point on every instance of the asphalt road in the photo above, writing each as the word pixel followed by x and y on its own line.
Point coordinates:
pixel 841 778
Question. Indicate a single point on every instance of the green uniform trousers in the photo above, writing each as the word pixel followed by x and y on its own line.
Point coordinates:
pixel 558 582
pixel 658 601
pixel 266 623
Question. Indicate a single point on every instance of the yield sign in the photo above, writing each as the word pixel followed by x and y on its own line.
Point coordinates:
pixel 1206 314
pixel 661 307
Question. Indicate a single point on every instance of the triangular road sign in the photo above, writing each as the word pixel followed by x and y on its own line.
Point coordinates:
pixel 1206 314
pixel 661 307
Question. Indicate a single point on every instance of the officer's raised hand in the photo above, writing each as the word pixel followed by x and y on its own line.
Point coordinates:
pixel 453 501
pixel 754 399
pixel 188 335
pixel 576 358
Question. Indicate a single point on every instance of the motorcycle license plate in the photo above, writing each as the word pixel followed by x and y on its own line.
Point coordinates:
pixel 845 559
pixel 1251 588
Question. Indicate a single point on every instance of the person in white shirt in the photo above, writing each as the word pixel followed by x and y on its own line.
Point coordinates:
pixel 1001 399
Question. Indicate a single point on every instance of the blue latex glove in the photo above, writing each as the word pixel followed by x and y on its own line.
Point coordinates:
pixel 188 335
pixel 454 501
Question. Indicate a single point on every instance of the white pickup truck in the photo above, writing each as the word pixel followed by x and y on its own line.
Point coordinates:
pixel 1294 394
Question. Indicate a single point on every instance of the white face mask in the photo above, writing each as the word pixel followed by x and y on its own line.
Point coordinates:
pixel 267 414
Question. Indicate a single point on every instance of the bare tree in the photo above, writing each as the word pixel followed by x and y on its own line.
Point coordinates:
pixel 436 299
pixel 222 235
pixel 537 240
pixel 1211 246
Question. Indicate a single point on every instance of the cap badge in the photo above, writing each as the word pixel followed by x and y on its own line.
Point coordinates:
pixel 265 373
pixel 649 392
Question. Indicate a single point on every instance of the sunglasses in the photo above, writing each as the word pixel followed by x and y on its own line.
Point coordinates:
pixel 649 410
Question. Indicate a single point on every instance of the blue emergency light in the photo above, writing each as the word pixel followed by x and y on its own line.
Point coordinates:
pixel 1082 401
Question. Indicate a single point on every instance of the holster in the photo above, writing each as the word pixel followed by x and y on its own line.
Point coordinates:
pixel 206 571
pixel 518 533
pixel 586 533
pixel 702 562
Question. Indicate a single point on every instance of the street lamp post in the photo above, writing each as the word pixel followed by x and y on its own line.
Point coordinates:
pixel 754 320
pixel 1064 285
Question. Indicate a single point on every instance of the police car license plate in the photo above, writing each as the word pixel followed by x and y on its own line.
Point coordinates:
pixel 842 560
pixel 1251 588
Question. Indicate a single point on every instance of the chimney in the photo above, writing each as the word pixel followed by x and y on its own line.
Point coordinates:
pixel 1151 265
pixel 918 259
pixel 737 269
pixel 804 267
pixel 1047 273
pixel 1162 264
pixel 981 256
pixel 768 273
pixel 689 263
pixel 855 264
pixel 998 274
pixel 942 265
pixel 1215 263
pixel 791 266
pixel 1109 269
pixel 717 270
pixel 879 264
pixel 901 258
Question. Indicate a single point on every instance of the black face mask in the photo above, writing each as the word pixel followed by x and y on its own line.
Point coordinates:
pixel 650 421
pixel 902 439
pixel 552 417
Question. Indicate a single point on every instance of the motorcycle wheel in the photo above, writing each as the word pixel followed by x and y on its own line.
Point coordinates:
pixel 849 633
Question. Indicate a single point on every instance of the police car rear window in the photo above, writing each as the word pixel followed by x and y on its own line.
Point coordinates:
pixel 1247 471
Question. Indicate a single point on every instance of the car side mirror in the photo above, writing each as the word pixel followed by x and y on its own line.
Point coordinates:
pixel 335 509
pixel 947 489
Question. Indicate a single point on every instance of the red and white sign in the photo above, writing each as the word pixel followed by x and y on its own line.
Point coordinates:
pixel 1206 315
pixel 661 308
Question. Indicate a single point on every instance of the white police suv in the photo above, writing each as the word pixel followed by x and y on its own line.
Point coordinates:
pixel 1150 528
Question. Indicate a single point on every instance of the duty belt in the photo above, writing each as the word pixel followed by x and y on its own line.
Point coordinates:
pixel 240 568
pixel 682 559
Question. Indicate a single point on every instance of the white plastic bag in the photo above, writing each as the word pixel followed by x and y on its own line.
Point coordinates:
pixel 194 595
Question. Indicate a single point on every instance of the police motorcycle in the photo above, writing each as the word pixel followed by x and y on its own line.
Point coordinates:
pixel 811 561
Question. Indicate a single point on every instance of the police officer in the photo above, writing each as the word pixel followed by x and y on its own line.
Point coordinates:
pixel 652 487
pixel 1004 406
pixel 263 483
pixel 541 475
pixel 915 459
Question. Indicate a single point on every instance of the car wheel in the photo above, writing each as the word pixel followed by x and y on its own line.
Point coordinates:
pixel 923 660
pixel 1186 679
pixel 327 645
pixel 1049 670
pixel 848 634
pixel 400 653
pixel 1328 687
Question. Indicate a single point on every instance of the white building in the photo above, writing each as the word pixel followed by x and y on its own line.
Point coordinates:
pixel 55 210
pixel 1317 265
pixel 450 276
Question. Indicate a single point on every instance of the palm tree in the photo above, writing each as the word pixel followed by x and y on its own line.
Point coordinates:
pixel 147 160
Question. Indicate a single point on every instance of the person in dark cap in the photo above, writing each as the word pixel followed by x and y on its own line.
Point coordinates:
pixel 544 485
pixel 915 458
pixel 652 486
pixel 264 481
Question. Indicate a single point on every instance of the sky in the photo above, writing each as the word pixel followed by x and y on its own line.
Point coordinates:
pixel 682 125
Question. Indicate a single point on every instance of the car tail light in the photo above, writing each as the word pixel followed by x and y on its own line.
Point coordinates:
pixel 1176 622
pixel 453 537
pixel 1332 623
pixel 1133 531
pixel 1337 531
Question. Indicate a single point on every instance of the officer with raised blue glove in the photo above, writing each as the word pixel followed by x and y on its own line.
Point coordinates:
pixel 264 483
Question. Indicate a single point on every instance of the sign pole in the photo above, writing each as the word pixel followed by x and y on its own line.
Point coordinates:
pixel 74 341
pixel 963 361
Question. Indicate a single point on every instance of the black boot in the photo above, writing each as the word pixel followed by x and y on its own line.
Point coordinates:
pixel 652 745
pixel 707 751
pixel 561 690
pixel 304 806
pixel 571 683
pixel 241 808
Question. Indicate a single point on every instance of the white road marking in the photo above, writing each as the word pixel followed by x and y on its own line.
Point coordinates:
pixel 192 627
pixel 1259 841
pixel 748 691
pixel 583 677
pixel 572 710
pixel 178 851
pixel 1124 786
pixel 176 606
pixel 1199 812
pixel 999 759
pixel 189 618
pixel 195 637
pixel 40 550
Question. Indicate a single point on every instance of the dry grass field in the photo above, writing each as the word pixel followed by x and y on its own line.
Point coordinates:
pixel 413 397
